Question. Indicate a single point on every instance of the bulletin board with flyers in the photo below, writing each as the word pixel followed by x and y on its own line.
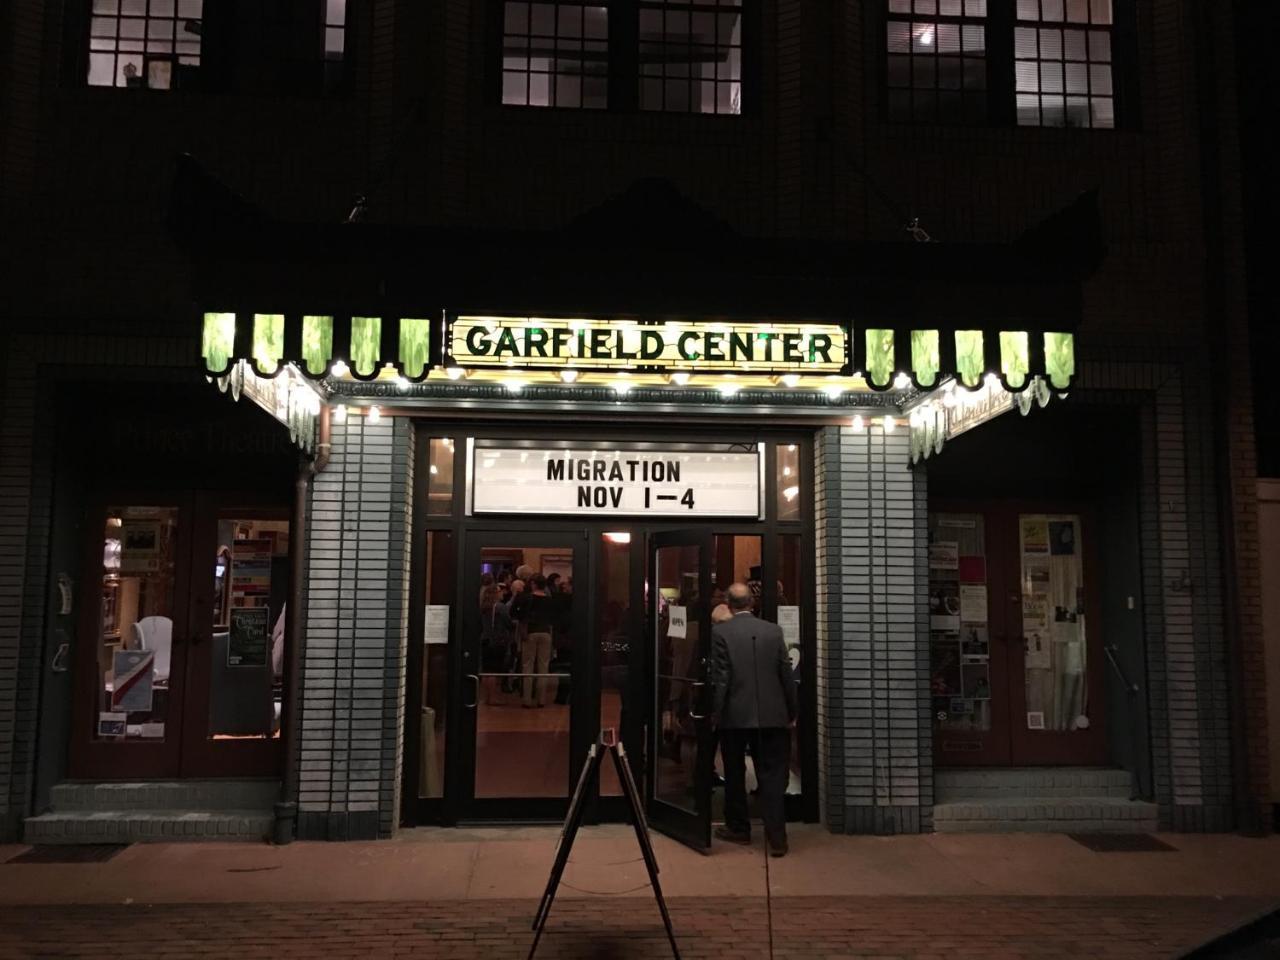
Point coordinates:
pixel 959 637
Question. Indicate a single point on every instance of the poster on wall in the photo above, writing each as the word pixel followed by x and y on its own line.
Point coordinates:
pixel 789 621
pixel 131 688
pixel 973 603
pixel 250 570
pixel 944 606
pixel 436 624
pixel 139 546
pixel 249 637
pixel 1035 535
pixel 944 555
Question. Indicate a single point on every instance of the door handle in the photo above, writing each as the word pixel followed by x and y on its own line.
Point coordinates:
pixel 693 715
pixel 476 698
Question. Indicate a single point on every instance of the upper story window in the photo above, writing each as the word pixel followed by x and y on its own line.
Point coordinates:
pixel 335 41
pixel 678 56
pixel 555 55
pixel 144 43
pixel 1062 53
pixel 937 60
pixel 691 56
pixel 953 61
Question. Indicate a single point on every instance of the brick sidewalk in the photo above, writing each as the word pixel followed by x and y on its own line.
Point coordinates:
pixel 808 928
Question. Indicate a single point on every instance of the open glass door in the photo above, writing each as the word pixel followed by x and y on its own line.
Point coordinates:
pixel 681 746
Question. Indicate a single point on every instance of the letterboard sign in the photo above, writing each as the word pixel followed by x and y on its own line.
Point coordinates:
pixel 608 481
pixel 550 343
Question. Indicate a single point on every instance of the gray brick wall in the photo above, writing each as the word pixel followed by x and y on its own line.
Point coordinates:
pixel 352 689
pixel 873 706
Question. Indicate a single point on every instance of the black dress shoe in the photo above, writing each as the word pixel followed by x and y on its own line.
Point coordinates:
pixel 732 836
pixel 778 849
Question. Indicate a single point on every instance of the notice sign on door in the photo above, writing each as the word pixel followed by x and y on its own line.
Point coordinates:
pixel 611 481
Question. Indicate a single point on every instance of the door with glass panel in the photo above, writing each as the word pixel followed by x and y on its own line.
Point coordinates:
pixel 681 743
pixel 525 688
pixel 238 613
pixel 179 666
pixel 1056 690
pixel 131 650
pixel 1015 647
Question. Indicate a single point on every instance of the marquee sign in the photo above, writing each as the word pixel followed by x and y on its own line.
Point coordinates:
pixel 546 343
pixel 609 481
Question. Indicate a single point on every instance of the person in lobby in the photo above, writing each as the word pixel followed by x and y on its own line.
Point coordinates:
pixel 754 704
pixel 532 609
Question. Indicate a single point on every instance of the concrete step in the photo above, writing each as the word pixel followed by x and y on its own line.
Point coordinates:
pixel 139 795
pixel 1050 782
pixel 134 826
pixel 1046 814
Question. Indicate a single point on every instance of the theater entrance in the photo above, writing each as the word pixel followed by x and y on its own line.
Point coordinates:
pixel 537 634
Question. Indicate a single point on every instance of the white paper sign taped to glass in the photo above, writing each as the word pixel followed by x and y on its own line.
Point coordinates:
pixel 677 621
pixel 132 672
pixel 610 482
pixel 436 624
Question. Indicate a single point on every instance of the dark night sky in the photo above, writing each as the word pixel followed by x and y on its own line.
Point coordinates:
pixel 1258 22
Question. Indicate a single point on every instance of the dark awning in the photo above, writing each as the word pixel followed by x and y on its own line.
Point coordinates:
pixel 371 294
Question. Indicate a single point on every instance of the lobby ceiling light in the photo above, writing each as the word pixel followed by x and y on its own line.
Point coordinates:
pixel 375 414
pixel 728 388
pixel 455 373
pixel 340 413
pixel 568 376
pixel 513 386
pixel 902 382
pixel 834 391
pixel 618 536
pixel 790 379
pixel 790 493
pixel 339 369
pixel 622 387
pixel 403 384
pixel 889 423
pixel 679 379
pixel 858 423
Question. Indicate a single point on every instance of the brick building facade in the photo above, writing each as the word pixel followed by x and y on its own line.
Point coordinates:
pixel 104 286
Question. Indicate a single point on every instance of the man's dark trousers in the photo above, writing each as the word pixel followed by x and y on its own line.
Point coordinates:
pixel 771 752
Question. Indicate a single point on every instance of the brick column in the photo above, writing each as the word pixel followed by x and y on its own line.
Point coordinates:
pixel 873 657
pixel 352 689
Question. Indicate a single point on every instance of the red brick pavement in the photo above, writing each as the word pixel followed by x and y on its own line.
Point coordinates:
pixel 809 928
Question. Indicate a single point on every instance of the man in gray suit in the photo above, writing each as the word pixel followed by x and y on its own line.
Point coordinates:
pixel 754 703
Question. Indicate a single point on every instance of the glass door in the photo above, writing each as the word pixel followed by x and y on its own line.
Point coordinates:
pixel 240 580
pixel 527 709
pixel 179 671
pixel 131 656
pixel 681 744
pixel 1057 686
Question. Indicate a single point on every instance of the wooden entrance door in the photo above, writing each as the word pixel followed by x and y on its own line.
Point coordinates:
pixel 179 652
pixel 1015 635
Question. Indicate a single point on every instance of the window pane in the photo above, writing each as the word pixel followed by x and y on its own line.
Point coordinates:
pixel 1066 67
pixel 440 481
pixel 959 643
pixel 614 633
pixel 790 607
pixel 440 593
pixel 525 684
pixel 136 624
pixel 694 50
pixel 924 56
pixel 1053 622
pixel 789 497
pixel 250 589
pixel 137 29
